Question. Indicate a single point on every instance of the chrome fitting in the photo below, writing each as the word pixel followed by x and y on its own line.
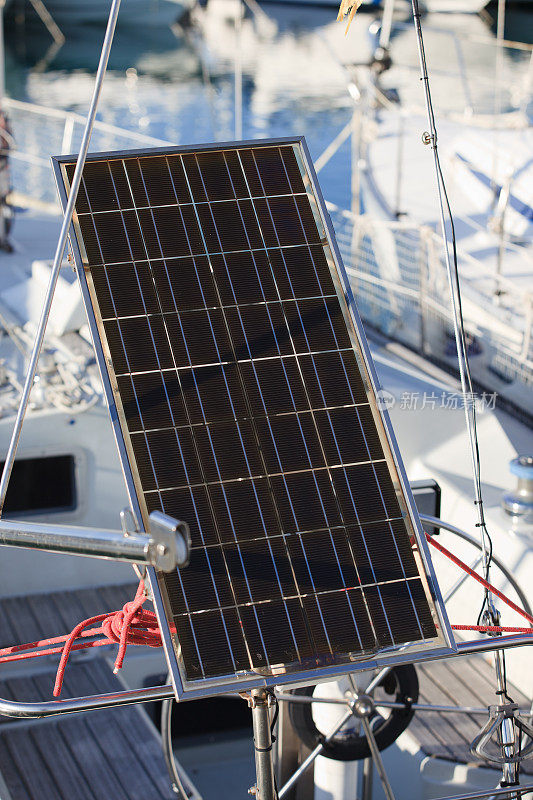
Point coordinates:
pixel 504 728
pixel 519 503
pixel 363 706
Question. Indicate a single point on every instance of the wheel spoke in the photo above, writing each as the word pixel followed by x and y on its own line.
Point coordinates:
pixel 376 680
pixel 376 758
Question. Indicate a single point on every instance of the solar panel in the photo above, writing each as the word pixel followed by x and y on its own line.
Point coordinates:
pixel 243 400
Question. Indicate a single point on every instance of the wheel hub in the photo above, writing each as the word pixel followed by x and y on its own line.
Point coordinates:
pixel 363 706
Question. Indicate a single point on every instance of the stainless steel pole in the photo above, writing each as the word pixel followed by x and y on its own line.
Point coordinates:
pixel 264 764
pixel 51 708
pixel 461 354
pixel 60 250
pixel 313 754
pixel 306 700
pixel 76 541
pixel 367 779
pixel 162 547
pixel 507 733
pixel 376 758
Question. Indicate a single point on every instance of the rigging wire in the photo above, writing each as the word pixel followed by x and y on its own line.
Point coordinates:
pixel 467 388
pixel 272 694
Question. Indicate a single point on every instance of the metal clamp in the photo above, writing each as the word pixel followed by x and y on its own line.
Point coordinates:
pixel 170 542
pixel 509 736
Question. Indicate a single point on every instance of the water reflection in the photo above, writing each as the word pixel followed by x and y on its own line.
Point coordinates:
pixel 178 85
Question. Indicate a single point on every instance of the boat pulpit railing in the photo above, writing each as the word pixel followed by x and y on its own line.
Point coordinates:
pixel 166 545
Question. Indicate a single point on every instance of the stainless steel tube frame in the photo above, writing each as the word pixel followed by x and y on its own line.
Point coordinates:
pixel 165 547
pixel 93 702
pixel 53 707
pixel 265 788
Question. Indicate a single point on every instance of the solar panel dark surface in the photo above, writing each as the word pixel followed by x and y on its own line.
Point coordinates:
pixel 246 410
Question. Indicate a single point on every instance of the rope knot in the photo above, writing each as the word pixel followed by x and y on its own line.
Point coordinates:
pixel 133 624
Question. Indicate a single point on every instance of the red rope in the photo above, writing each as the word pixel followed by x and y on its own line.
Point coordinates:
pixel 491 629
pixel 14 653
pixel 480 580
pixel 131 625
pixel 135 625
pixel 11 654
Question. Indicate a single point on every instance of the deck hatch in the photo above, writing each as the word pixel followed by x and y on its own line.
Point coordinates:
pixel 246 406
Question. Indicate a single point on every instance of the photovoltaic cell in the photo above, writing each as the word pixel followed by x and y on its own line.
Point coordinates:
pixel 245 410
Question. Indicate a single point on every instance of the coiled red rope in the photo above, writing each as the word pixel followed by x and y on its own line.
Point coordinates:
pixel 135 625
pixel 131 625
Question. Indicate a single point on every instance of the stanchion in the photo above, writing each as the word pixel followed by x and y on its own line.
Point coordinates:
pixel 265 787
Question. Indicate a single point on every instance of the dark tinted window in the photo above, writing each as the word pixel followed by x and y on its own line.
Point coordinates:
pixel 41 484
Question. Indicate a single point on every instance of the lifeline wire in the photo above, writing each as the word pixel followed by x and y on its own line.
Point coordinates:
pixel 458 320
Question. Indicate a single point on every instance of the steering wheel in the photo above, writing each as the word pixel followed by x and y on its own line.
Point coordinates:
pixel 400 684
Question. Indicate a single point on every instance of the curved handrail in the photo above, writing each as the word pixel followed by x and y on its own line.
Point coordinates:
pixel 79 119
pixel 50 708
